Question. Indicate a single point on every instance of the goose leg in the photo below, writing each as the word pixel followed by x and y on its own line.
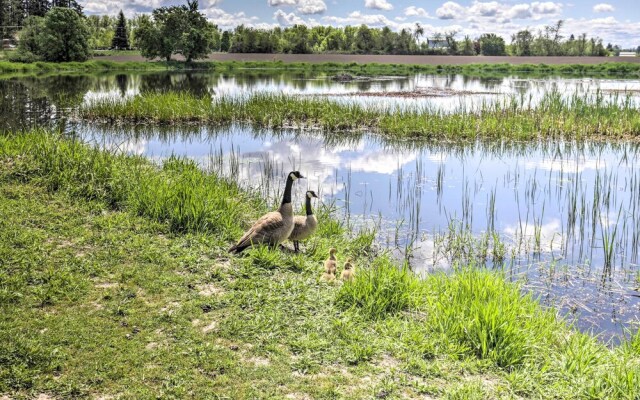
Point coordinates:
pixel 296 246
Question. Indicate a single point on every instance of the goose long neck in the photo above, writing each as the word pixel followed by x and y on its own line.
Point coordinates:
pixel 286 197
pixel 308 206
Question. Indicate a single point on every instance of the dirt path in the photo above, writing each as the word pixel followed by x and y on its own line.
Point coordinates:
pixel 389 59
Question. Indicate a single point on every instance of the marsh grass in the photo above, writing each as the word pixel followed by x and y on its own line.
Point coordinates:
pixel 104 258
pixel 605 69
pixel 575 117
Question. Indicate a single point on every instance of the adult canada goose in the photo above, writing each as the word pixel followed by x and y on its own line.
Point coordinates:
pixel 303 227
pixel 330 264
pixel 272 228
pixel 349 271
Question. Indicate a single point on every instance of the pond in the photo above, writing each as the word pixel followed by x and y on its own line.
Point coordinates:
pixel 562 218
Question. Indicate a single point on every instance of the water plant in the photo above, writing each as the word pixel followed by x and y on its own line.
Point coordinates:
pixel 557 116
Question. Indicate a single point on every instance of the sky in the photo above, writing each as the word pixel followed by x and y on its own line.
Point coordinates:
pixel 616 22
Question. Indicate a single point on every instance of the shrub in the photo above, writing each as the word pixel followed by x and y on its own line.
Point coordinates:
pixel 64 36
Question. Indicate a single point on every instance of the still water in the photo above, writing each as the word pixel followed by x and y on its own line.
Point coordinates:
pixel 563 218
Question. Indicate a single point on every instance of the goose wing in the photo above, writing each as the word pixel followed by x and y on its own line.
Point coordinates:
pixel 262 230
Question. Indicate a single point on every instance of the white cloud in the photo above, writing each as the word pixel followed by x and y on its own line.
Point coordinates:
pixel 546 7
pixel 311 6
pixel 450 10
pixel 520 11
pixel 226 20
pixel 603 7
pixel 378 4
pixel 414 11
pixel 489 9
pixel 275 3
pixel 357 18
pixel 303 6
pixel 287 19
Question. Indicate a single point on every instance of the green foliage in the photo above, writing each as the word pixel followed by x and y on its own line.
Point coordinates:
pixel 176 30
pixel 64 36
pixel 30 41
pixel 380 289
pixel 120 39
pixel 180 195
pixel 556 116
pixel 492 45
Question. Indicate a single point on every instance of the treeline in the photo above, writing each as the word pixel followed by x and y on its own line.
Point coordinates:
pixel 301 39
pixel 183 30
pixel 13 13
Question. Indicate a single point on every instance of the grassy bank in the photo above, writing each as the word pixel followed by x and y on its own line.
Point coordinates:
pixel 114 280
pixel 575 117
pixel 605 69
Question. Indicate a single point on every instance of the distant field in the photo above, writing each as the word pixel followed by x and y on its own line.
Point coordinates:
pixel 389 59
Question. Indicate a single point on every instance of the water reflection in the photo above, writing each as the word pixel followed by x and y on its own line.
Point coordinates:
pixel 564 217
pixel 540 211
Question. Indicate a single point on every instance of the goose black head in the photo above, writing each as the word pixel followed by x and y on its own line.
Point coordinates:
pixel 311 194
pixel 293 175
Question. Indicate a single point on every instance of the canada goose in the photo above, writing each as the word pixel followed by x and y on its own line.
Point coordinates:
pixel 349 271
pixel 303 227
pixel 272 228
pixel 330 264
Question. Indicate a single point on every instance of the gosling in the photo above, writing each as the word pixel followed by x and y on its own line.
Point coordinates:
pixel 328 277
pixel 272 228
pixel 330 264
pixel 303 227
pixel 349 271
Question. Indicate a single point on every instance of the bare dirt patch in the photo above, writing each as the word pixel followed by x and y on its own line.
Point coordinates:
pixel 210 290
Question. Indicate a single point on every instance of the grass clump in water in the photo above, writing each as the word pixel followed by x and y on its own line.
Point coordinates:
pixel 555 117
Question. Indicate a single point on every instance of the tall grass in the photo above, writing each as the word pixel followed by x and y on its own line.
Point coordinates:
pixel 476 313
pixel 556 116
pixel 468 313
pixel 178 193
pixel 626 70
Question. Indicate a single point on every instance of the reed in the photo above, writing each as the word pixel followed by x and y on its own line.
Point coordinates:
pixel 575 117
pixel 605 69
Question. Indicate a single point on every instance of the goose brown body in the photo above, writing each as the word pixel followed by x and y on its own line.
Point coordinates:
pixel 304 226
pixel 274 227
pixel 330 264
pixel 349 271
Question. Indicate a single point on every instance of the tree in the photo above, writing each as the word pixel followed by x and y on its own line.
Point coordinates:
pixel 492 45
pixel 72 4
pixel 29 36
pixel 452 45
pixel 176 30
pixel 467 47
pixel 120 38
pixel 522 42
pixel 364 40
pixel 64 36
pixel 36 8
pixel 225 42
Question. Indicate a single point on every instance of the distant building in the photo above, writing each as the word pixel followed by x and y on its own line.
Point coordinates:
pixel 434 43
pixel 627 54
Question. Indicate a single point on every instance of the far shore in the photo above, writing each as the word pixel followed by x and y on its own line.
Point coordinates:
pixel 391 59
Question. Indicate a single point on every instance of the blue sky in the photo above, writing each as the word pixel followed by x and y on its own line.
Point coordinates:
pixel 617 22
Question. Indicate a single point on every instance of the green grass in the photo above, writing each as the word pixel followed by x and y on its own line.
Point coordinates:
pixel 114 280
pixel 576 117
pixel 604 69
